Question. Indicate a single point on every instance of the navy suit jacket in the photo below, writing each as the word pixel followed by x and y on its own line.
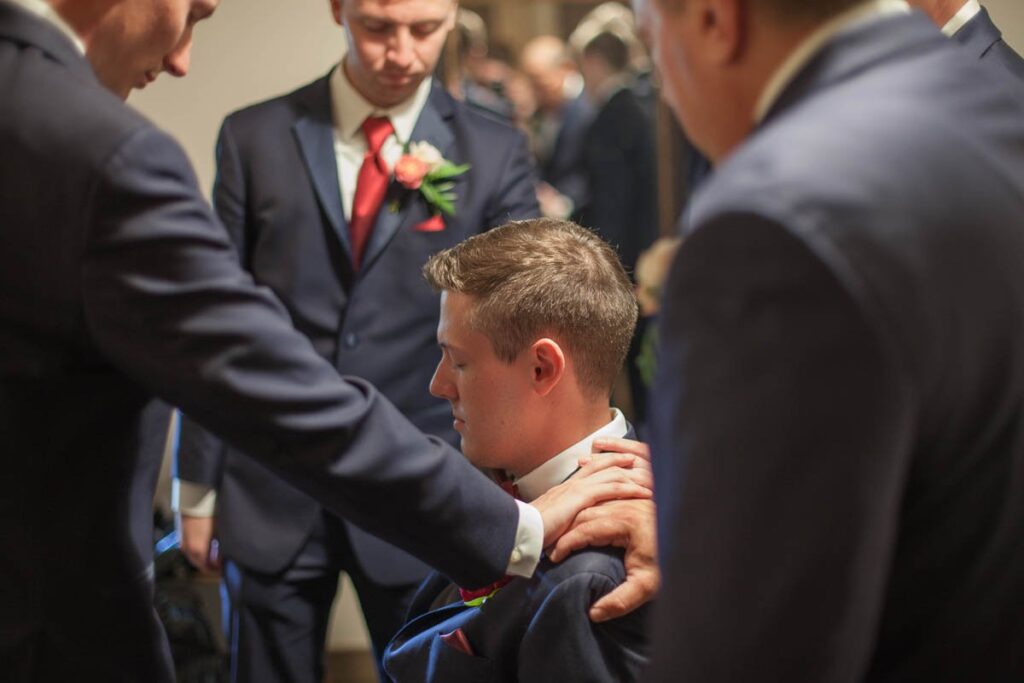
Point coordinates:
pixel 564 169
pixel 985 41
pixel 838 428
pixel 533 630
pixel 618 158
pixel 117 283
pixel 277 194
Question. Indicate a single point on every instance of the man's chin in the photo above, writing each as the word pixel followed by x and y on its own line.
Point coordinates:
pixel 396 91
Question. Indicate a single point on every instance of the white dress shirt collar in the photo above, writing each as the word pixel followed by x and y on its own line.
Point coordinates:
pixel 43 10
pixel 813 44
pixel 350 108
pixel 966 13
pixel 559 468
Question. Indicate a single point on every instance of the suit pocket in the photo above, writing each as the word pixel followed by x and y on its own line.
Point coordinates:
pixel 448 663
pixel 433 224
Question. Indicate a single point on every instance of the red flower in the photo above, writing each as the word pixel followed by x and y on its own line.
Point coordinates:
pixel 410 171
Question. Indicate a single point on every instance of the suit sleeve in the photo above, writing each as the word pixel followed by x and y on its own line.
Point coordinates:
pixel 562 644
pixel 515 196
pixel 199 457
pixel 167 303
pixel 782 442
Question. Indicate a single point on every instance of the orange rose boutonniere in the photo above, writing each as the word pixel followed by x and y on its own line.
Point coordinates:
pixel 423 168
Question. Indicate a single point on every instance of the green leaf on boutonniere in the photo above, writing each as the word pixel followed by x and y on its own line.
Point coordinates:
pixel 447 170
pixel 444 202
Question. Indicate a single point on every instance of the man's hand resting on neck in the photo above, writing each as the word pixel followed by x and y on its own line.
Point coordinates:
pixel 608 502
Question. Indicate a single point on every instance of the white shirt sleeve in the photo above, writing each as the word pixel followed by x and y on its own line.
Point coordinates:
pixel 192 499
pixel 529 542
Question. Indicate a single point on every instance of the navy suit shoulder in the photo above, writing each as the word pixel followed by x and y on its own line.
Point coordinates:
pixel 535 629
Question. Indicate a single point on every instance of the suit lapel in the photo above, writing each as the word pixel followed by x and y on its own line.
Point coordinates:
pixel 21 26
pixel 314 132
pixel 979 34
pixel 432 126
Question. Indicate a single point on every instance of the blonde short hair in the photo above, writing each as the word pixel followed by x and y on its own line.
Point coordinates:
pixel 545 277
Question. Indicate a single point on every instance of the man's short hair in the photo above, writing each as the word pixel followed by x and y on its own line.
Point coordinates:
pixel 545 277
pixel 609 48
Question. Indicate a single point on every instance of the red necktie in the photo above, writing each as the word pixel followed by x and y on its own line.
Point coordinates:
pixel 370 187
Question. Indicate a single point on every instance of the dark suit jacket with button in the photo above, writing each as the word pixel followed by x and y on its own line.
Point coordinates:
pixel 277 194
pixel 117 282
pixel 985 41
pixel 533 630
pixel 838 427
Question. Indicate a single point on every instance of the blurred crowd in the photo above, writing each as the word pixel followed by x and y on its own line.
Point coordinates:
pixel 588 104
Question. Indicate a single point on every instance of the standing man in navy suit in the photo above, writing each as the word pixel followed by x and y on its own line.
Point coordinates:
pixel 838 417
pixel 117 283
pixel 288 191
pixel 969 24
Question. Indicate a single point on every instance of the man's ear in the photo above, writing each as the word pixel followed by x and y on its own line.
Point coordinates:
pixel 548 365
pixel 722 28
pixel 336 11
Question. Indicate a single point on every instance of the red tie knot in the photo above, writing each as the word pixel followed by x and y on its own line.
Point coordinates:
pixel 377 129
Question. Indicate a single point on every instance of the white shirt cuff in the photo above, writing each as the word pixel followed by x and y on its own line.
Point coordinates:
pixel 195 500
pixel 529 542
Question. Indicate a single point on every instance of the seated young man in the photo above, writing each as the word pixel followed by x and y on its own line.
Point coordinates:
pixel 536 319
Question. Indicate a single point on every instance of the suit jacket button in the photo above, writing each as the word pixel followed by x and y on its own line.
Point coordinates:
pixel 351 340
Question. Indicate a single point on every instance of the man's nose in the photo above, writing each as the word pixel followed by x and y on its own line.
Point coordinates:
pixel 400 48
pixel 439 385
pixel 177 62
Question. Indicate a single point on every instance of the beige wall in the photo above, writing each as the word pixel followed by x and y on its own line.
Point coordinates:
pixel 1009 16
pixel 248 51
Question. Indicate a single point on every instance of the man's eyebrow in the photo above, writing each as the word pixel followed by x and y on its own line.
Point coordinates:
pixel 447 346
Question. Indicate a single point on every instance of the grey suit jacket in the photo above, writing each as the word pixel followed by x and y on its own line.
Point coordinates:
pixel 116 283
pixel 839 414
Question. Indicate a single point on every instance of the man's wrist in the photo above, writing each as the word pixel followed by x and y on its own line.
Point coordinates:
pixel 529 543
